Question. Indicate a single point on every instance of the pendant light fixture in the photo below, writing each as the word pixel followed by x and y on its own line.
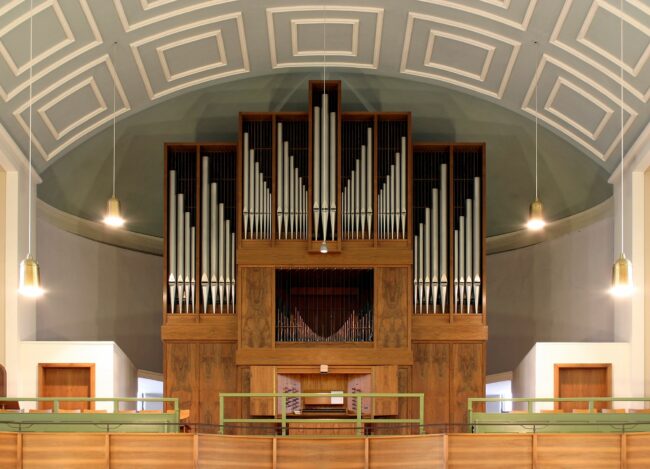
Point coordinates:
pixel 536 213
pixel 113 217
pixel 622 284
pixel 30 272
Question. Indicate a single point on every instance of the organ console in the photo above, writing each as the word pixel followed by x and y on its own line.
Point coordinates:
pixel 398 302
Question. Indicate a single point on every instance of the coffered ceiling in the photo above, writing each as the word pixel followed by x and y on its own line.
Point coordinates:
pixel 169 47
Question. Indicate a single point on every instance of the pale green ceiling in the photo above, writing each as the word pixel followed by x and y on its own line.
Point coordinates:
pixel 570 181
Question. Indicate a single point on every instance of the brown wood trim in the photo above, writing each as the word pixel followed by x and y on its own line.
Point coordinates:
pixel 556 376
pixel 41 372
pixel 317 356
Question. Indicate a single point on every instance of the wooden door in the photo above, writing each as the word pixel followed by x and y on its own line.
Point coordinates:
pixel 583 380
pixel 66 380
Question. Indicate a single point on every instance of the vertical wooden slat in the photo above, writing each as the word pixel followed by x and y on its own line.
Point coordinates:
pixel 195 450
pixel 19 450
pixel 445 454
pixel 275 453
pixel 107 450
pixel 623 451
pixel 534 452
pixel 367 453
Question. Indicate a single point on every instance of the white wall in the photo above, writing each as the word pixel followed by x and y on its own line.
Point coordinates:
pixel 535 375
pixel 115 375
pixel 552 291
pixel 100 292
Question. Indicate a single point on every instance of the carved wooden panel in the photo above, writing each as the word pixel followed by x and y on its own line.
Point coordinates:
pixel 262 380
pixel 467 379
pixel 430 375
pixel 217 373
pixel 385 380
pixel 181 376
pixel 256 294
pixel 391 314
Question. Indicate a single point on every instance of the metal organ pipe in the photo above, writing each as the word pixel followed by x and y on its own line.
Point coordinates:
pixel 280 178
pixel 245 157
pixel 421 262
pixel 214 252
pixel 427 256
pixel 180 249
pixel 227 262
pixel 316 193
pixel 468 253
pixel 398 194
pixel 403 187
pixel 362 183
pixel 477 242
pixel 324 171
pixel 187 262
pixel 205 227
pixel 332 173
pixel 443 236
pixel 416 270
pixel 172 239
pixel 192 268
pixel 434 247
pixel 284 188
pixel 292 201
pixel 220 265
pixel 456 254
pixel 369 178
pixel 461 260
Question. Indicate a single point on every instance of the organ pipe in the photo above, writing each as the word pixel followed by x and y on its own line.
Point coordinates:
pixel 324 187
pixel 398 195
pixel 403 188
pixel 205 226
pixel 461 260
pixel 434 247
pixel 362 182
pixel 280 177
pixel 221 257
pixel 456 257
pixel 187 246
pixel 251 187
pixel 214 252
pixel 292 201
pixel 416 270
pixel 443 236
pixel 233 272
pixel 369 178
pixel 180 249
pixel 427 256
pixel 192 268
pixel 284 188
pixel 477 242
pixel 332 173
pixel 227 262
pixel 172 239
pixel 246 187
pixel 420 261
pixel 316 193
pixel 468 253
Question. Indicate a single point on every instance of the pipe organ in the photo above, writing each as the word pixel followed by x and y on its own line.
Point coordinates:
pixel 398 300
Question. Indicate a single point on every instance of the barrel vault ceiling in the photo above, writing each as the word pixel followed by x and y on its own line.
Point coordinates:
pixel 167 47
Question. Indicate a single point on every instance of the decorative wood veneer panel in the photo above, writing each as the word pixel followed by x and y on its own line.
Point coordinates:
pixel 8 449
pixel 578 451
pixel 73 450
pixel 391 311
pixel 430 375
pixel 217 373
pixel 181 375
pixel 256 293
pixel 467 380
pixel 168 451
pixel 235 452
pixel 410 452
pixel 502 451
pixel 332 454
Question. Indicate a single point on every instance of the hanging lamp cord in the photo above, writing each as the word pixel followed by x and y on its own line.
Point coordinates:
pixel 114 49
pixel 622 140
pixel 29 193
pixel 536 131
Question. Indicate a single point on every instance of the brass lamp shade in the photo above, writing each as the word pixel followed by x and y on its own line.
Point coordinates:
pixel 30 278
pixel 622 284
pixel 113 216
pixel 536 216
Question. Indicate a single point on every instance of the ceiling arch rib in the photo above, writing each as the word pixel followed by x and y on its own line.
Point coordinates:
pixel 171 47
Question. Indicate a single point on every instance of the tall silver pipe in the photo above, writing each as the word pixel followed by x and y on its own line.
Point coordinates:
pixel 255 216
pixel 416 270
pixel 285 188
pixel 427 256
pixel 382 212
pixel 403 188
pixel 192 269
pixel 188 287
pixel 353 197
pixel 171 224
pixel 295 202
pixel 362 182
pixel 263 196
pixel 421 263
pixel 398 195
pixel 280 179
pixel 332 173
pixel 392 211
pixel 252 177
pixel 461 260
pixel 369 178
pixel 468 252
pixel 227 263
pixel 221 267
pixel 180 249
pixel 435 261
pixel 324 166
pixel 477 242
pixel 443 236
pixel 291 181
pixel 233 271
pixel 456 254
pixel 316 170
pixel 214 251
pixel 269 209
pixel 245 156
pixel 357 197
pixel 205 227
pixel 344 211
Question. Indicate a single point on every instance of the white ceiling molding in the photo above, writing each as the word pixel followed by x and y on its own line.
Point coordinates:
pixel 282 26
pixel 235 42
pixel 86 120
pixel 471 35
pixel 591 91
pixel 468 7
pixel 80 38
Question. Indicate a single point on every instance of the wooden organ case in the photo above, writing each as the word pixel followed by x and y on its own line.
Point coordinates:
pixel 397 304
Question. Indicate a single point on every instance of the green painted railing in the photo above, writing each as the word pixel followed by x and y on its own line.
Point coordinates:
pixel 358 419
pixel 537 422
pixel 114 421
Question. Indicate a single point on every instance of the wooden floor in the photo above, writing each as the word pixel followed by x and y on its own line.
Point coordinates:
pixel 85 450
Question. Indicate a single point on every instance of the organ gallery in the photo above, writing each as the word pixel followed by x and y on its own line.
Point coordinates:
pixel 325 240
